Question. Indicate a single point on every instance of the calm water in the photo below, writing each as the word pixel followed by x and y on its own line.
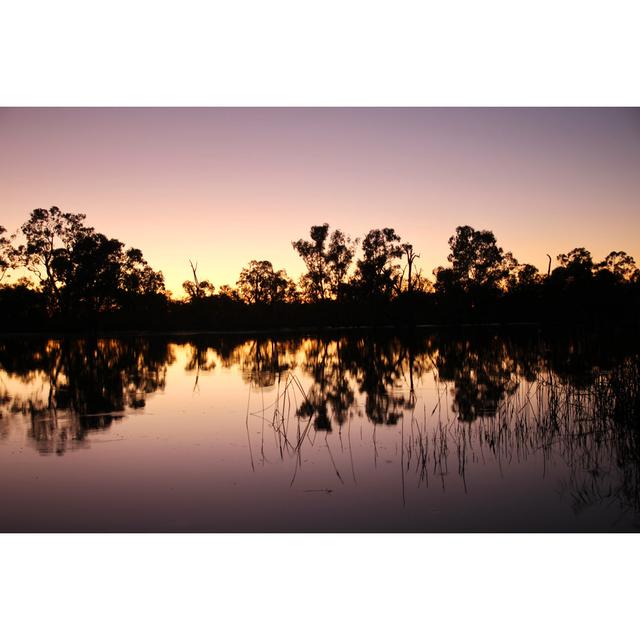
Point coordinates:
pixel 438 432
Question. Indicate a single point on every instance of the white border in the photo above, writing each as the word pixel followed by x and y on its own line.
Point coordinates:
pixel 333 52
pixel 319 586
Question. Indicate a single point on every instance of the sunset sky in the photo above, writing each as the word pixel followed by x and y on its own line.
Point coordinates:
pixel 224 186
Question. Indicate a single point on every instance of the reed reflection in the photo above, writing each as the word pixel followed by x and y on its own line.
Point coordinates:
pixel 511 399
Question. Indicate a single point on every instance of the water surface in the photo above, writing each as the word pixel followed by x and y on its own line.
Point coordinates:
pixel 466 431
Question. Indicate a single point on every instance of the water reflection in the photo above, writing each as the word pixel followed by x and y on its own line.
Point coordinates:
pixel 499 399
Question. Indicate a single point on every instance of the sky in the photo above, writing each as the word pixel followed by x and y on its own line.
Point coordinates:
pixel 225 186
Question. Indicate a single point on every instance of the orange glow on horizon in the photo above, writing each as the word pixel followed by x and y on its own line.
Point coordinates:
pixel 224 186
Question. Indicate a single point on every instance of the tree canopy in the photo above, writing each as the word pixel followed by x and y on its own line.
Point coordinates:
pixel 76 274
pixel 476 259
pixel 378 273
pixel 327 265
pixel 79 270
pixel 260 284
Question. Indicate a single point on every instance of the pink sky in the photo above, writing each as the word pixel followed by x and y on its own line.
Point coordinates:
pixel 224 186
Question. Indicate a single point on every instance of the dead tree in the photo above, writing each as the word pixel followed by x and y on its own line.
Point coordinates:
pixel 411 256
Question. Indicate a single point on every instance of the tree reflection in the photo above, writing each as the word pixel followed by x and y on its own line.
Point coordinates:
pixel 89 383
pixel 483 371
pixel 262 361
pixel 512 396
pixel 201 358
pixel 331 397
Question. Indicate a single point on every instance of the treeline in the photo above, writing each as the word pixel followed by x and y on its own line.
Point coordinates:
pixel 57 273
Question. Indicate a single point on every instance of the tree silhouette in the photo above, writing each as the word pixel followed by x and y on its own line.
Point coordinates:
pixel 378 273
pixel 197 289
pixel 315 282
pixel 90 271
pixel 99 276
pixel 577 265
pixel 260 284
pixel 80 278
pixel 578 259
pixel 227 292
pixel 339 258
pixel 327 266
pixel 49 236
pixel 420 283
pixel 7 254
pixel 138 278
pixel 80 271
pixel 620 264
pixel 476 259
pixel 575 272
pixel 411 257
pixel 524 277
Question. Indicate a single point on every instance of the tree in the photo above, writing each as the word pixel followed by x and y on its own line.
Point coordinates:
pixel 49 236
pixel 137 278
pixel 620 264
pixel 575 270
pixel 315 281
pixel 411 257
pixel 476 259
pixel 511 269
pixel 377 274
pixel 260 284
pixel 227 292
pixel 526 276
pixel 326 266
pixel 91 272
pixel 339 258
pixel 7 254
pixel 421 284
pixel 518 276
pixel 445 281
pixel 197 289
pixel 577 262
pixel 97 275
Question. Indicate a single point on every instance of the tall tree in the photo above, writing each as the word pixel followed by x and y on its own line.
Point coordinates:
pixel 315 281
pixel 378 273
pixel 476 259
pixel 327 266
pixel 411 256
pixel 90 271
pixel 49 236
pixel 339 258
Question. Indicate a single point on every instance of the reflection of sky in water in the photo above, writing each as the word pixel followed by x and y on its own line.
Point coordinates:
pixel 342 434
